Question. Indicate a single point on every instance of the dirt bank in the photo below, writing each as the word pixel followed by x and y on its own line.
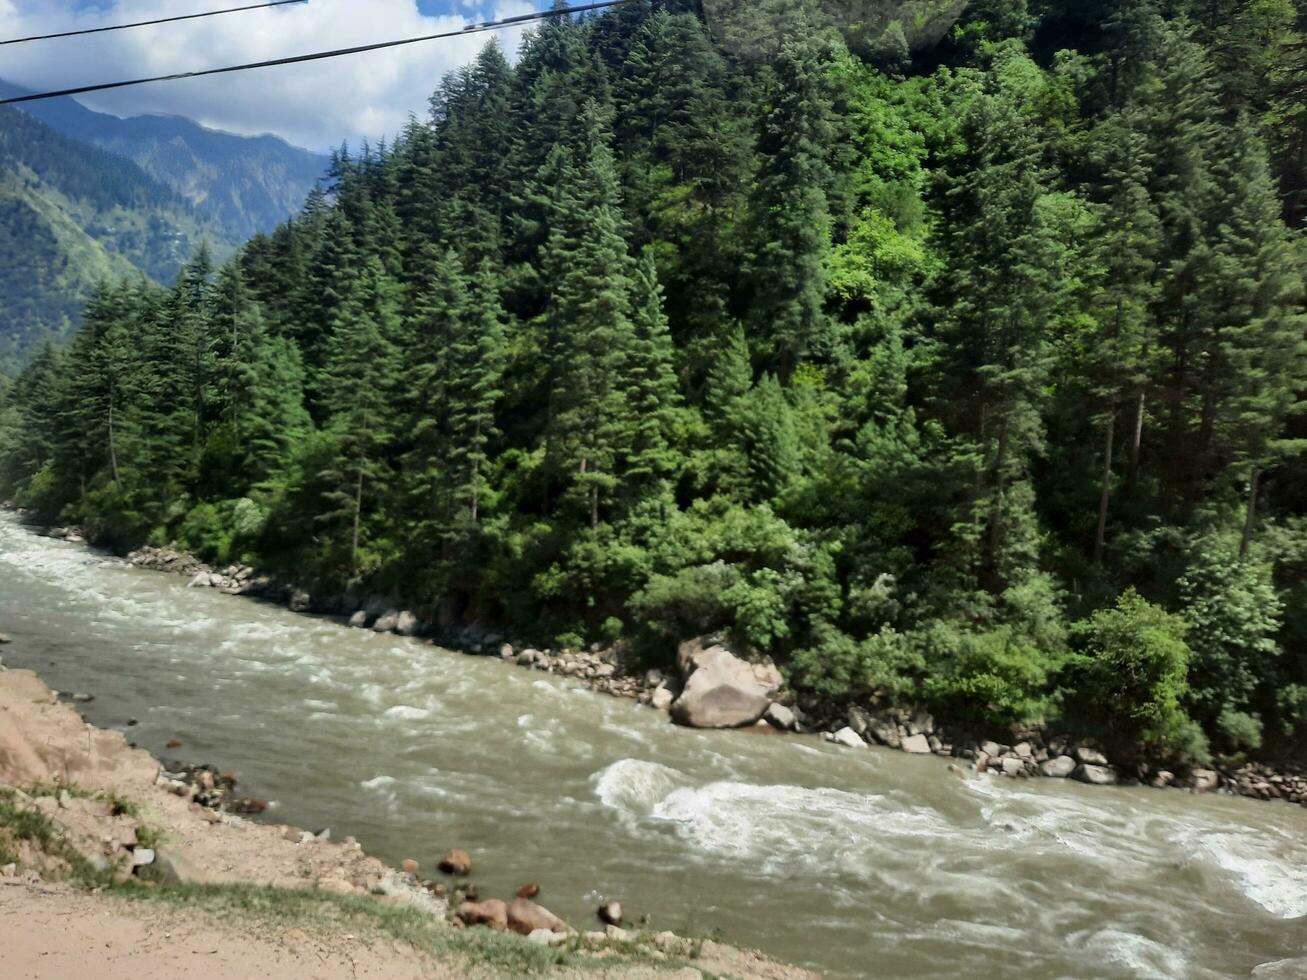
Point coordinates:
pixel 110 869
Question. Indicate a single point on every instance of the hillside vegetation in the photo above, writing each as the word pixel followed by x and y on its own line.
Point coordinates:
pixel 72 216
pixel 969 376
pixel 243 184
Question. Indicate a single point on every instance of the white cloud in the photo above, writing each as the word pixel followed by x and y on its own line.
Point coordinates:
pixel 315 105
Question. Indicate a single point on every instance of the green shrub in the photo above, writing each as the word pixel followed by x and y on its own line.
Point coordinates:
pixel 1131 673
pixel 836 665
pixel 1240 732
pixel 995 678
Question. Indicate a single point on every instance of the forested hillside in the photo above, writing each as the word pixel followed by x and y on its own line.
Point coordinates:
pixel 969 377
pixel 244 184
pixel 72 216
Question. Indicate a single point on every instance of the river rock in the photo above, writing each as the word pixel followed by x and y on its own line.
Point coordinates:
pixel 4 638
pixel 493 912
pixel 780 716
pixel 847 737
pixel 387 621
pixel 1090 756
pixel 916 744
pixel 1205 780
pixel 1013 766
pixel 1094 775
pixel 1058 768
pixel 529 890
pixel 359 620
pixel 456 862
pixel 142 856
pixel 407 624
pixel 610 913
pixel 722 690
pixel 858 719
pixel 300 601
pixel 525 917
pixel 662 698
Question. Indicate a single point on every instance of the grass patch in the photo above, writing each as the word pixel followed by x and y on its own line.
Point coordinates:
pixel 484 952
pixel 21 823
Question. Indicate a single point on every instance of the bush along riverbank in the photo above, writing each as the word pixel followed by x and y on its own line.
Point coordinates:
pixel 82 809
pixel 715 685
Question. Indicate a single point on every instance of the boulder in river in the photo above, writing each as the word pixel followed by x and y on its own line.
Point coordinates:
pixel 456 862
pixel 1205 780
pixel 1059 768
pixel 529 890
pixel 916 744
pixel 1090 756
pixel 407 624
pixel 387 621
pixel 4 639
pixel 525 917
pixel 1095 775
pixel 359 620
pixel 300 601
pixel 780 716
pixel 848 738
pixel 493 912
pixel 722 690
pixel 662 698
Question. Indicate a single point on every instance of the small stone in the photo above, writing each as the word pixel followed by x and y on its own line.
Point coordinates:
pixel 142 856
pixel 610 913
pixel 4 638
pixel 300 601
pixel 506 651
pixel 916 744
pixel 456 862
pixel 848 738
pixel 1162 778
pixel 991 748
pixel 662 698
pixel 359 620
pixel 529 890
pixel 407 624
pixel 409 867
pixel 387 621
pixel 8 871
pixel 172 743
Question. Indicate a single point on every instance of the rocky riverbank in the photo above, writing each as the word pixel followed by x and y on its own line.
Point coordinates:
pixel 82 814
pixel 715 686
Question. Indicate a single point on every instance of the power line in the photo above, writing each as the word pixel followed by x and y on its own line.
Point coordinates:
pixel 491 25
pixel 148 23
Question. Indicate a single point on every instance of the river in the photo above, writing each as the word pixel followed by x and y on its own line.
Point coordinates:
pixel 857 863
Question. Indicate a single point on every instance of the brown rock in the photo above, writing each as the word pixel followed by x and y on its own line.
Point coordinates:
pixel 492 912
pixel 525 917
pixel 249 806
pixel 172 743
pixel 409 867
pixel 456 862
pixel 529 890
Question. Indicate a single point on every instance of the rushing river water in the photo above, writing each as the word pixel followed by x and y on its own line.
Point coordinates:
pixel 857 863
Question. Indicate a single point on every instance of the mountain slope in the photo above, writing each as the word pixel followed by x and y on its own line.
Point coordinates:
pixel 247 184
pixel 72 215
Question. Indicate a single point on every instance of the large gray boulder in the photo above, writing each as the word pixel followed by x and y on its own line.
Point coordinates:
pixel 722 690
pixel 1058 768
pixel 1094 775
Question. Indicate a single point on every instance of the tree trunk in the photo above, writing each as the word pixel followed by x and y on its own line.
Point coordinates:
pixel 1136 440
pixel 358 516
pixel 1250 520
pixel 996 518
pixel 1105 490
pixel 113 452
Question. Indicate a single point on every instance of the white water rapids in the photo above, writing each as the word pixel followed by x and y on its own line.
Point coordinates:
pixel 859 864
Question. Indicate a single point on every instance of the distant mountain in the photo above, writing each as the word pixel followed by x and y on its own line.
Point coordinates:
pixel 72 214
pixel 247 184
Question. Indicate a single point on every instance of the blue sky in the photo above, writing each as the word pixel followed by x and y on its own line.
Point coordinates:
pixel 315 105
